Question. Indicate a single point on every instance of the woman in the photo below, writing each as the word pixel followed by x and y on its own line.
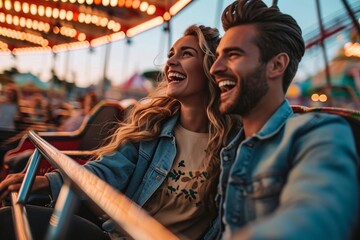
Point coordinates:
pixel 166 156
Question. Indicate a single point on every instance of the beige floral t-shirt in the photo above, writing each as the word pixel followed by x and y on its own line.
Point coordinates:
pixel 177 204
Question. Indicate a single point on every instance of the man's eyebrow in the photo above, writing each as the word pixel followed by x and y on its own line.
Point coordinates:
pixel 237 49
pixel 230 49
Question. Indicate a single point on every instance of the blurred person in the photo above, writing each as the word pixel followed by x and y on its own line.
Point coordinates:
pixel 165 157
pixel 74 121
pixel 9 109
pixel 285 175
pixel 38 110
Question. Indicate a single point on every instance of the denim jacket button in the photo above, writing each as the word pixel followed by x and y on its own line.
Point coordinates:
pixel 226 158
pixel 158 177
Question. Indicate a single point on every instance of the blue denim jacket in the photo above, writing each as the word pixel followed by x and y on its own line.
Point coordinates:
pixel 294 179
pixel 136 169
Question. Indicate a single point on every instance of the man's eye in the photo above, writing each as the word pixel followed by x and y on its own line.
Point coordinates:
pixel 170 54
pixel 233 55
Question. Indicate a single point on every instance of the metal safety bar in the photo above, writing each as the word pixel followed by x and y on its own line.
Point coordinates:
pixel 79 181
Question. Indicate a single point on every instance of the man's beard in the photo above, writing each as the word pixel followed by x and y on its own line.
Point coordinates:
pixel 252 88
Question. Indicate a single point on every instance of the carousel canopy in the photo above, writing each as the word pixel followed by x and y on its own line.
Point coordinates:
pixel 60 25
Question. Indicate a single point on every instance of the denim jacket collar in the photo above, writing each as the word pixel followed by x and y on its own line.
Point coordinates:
pixel 271 127
pixel 276 121
pixel 169 126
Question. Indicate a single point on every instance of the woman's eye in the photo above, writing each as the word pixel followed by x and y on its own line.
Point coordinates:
pixel 186 53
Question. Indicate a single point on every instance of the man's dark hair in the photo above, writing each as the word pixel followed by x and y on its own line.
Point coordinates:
pixel 277 32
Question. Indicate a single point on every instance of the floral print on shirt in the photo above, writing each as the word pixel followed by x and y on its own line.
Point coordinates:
pixel 190 190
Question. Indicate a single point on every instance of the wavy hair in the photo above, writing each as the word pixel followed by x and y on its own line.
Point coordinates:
pixel 277 32
pixel 146 119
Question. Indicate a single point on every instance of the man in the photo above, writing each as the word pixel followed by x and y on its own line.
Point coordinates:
pixel 285 176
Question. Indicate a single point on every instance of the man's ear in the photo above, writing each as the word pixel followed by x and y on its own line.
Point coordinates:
pixel 277 65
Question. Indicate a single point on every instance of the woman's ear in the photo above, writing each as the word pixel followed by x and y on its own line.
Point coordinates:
pixel 277 65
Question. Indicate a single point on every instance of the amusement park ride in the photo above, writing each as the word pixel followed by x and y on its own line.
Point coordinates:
pixel 348 21
pixel 35 25
pixel 63 25
pixel 55 26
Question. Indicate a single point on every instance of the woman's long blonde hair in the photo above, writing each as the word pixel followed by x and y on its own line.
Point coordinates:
pixel 146 119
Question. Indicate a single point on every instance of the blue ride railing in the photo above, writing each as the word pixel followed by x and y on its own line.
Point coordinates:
pixel 79 181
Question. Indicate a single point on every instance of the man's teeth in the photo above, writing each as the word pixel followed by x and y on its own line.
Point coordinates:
pixel 227 83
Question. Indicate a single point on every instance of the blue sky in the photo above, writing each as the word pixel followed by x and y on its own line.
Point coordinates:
pixel 147 50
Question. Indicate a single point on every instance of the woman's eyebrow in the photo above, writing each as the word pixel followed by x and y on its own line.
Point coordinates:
pixel 188 47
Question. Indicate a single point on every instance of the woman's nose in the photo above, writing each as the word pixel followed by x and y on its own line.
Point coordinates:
pixel 172 61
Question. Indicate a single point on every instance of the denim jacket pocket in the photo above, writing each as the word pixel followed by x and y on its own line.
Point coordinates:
pixel 263 195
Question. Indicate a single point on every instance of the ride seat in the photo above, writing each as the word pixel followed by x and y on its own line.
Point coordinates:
pixel 97 126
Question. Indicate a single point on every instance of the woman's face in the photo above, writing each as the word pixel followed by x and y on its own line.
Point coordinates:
pixel 184 71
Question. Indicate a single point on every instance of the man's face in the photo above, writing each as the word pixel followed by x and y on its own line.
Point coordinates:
pixel 238 71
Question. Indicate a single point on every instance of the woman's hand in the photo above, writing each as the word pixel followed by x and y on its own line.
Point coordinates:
pixel 13 182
